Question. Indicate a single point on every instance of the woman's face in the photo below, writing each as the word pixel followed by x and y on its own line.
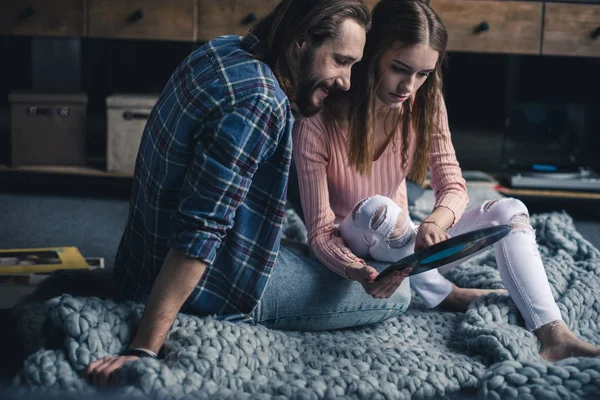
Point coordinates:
pixel 402 70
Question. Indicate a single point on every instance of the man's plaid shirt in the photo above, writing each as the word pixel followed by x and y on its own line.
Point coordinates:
pixel 211 179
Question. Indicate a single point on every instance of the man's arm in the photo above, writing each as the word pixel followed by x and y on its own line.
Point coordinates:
pixel 227 153
pixel 176 280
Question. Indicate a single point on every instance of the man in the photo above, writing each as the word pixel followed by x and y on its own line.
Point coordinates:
pixel 208 194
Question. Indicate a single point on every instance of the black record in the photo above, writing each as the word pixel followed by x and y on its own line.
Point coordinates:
pixel 443 253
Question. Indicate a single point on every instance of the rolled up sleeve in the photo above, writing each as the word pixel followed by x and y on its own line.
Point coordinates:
pixel 227 153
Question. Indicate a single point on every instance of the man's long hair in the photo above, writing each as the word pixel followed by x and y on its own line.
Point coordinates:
pixel 294 21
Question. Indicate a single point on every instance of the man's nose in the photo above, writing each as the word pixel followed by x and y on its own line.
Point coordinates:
pixel 343 81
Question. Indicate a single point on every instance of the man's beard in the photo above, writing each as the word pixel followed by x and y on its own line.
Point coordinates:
pixel 308 84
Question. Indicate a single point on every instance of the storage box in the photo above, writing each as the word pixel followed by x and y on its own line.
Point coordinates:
pixel 126 118
pixel 48 129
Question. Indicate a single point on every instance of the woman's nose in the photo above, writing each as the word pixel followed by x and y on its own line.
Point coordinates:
pixel 407 84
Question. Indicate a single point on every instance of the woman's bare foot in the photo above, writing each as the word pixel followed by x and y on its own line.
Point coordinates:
pixel 459 298
pixel 559 342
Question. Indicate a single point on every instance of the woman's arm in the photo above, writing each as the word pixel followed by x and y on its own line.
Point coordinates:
pixel 450 189
pixel 311 155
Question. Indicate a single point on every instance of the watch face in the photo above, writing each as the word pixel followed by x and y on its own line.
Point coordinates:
pixel 455 248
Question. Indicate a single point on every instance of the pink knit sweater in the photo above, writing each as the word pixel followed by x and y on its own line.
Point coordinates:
pixel 329 188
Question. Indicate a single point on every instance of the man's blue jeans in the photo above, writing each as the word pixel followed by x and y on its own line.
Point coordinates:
pixel 303 294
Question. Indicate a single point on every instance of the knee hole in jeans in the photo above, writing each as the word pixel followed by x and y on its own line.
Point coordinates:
pixel 379 217
pixel 517 216
pixel 399 236
pixel 521 221
pixel 508 209
pixel 357 208
pixel 489 204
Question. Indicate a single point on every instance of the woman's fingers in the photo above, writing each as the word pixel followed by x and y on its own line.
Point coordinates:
pixel 362 274
pixel 388 285
pixel 370 274
pixel 381 289
pixel 431 239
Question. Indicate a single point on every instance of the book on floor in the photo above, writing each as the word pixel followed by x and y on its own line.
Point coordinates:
pixel 36 278
pixel 40 260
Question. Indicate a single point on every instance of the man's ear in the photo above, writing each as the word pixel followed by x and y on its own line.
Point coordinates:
pixel 301 44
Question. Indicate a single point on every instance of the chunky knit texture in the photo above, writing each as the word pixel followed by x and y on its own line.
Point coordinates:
pixel 422 354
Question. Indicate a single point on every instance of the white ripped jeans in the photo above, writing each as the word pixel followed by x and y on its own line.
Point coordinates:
pixel 370 232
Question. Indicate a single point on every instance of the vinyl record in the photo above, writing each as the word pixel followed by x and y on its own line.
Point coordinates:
pixel 455 248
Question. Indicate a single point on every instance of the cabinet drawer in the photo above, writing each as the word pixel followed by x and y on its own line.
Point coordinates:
pixel 42 17
pixel 491 26
pixel 143 19
pixel 572 29
pixel 229 17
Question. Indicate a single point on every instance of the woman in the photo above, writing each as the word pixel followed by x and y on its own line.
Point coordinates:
pixel 353 160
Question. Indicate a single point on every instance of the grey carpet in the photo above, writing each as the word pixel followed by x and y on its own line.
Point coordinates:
pixel 91 224
pixel 422 354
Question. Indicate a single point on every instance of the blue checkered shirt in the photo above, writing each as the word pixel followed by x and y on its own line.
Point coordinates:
pixel 210 179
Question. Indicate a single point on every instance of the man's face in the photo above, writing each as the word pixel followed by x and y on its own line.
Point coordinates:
pixel 328 67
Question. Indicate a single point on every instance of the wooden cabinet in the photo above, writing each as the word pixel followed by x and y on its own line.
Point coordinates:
pixel 572 29
pixel 482 26
pixel 491 26
pixel 234 17
pixel 229 17
pixel 42 17
pixel 143 19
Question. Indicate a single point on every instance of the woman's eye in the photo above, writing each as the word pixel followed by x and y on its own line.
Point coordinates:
pixel 399 69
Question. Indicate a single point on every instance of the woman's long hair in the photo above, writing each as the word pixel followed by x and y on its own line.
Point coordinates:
pixel 409 22
pixel 293 21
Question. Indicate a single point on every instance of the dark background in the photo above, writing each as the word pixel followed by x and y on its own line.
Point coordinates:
pixel 481 89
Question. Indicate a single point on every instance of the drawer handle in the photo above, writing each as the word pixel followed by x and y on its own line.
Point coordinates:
pixel 27 13
pixel 129 115
pixel 48 111
pixel 482 27
pixel 136 16
pixel 250 18
pixel 596 34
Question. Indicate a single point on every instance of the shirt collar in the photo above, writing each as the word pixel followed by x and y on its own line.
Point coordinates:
pixel 252 44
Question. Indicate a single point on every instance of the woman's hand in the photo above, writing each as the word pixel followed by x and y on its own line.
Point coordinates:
pixel 382 289
pixel 429 233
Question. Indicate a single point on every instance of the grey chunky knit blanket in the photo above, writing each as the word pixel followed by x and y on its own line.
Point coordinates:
pixel 422 354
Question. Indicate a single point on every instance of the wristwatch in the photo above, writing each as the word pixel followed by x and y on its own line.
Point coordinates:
pixel 139 353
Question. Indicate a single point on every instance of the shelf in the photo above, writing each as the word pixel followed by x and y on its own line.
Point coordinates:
pixel 548 194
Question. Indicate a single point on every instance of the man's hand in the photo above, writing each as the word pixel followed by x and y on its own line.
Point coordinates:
pixel 101 372
pixel 428 235
pixel 177 278
pixel 382 289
